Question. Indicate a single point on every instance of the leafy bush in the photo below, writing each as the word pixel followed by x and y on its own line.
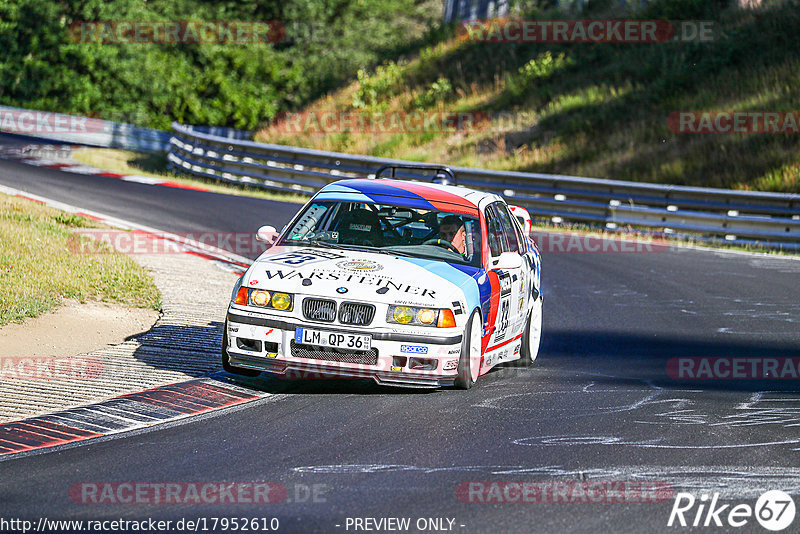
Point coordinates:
pixel 542 66
pixel 437 92
pixel 43 66
pixel 375 89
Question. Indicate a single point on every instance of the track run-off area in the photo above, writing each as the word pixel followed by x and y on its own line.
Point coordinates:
pixel 637 395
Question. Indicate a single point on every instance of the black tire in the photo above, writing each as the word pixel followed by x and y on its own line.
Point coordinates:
pixel 464 379
pixel 528 353
pixel 226 363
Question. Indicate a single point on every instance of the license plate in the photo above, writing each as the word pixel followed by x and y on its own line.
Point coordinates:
pixel 339 340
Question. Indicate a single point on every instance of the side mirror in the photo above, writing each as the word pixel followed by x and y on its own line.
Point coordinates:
pixel 507 260
pixel 267 234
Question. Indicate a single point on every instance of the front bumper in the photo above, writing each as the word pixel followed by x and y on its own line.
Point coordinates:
pixel 267 343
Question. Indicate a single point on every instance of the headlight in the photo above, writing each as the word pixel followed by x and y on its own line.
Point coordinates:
pixel 282 301
pixel 426 316
pixel 259 297
pixel 421 316
pixel 266 299
pixel 402 314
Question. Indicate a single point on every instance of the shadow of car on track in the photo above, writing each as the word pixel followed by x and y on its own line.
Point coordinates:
pixel 195 351
pixel 673 362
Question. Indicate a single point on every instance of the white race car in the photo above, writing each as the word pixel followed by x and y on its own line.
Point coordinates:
pixel 523 217
pixel 407 283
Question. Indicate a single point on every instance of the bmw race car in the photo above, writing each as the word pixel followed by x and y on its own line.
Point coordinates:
pixel 407 283
pixel 523 217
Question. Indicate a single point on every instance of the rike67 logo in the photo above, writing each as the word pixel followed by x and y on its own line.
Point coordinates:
pixel 774 510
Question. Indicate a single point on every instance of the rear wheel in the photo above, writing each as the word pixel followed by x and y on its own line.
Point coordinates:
pixel 532 338
pixel 226 361
pixel 469 363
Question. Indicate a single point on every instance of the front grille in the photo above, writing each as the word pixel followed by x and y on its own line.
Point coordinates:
pixel 319 310
pixel 314 352
pixel 357 314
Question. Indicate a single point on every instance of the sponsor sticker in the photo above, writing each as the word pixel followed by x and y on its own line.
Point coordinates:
pixel 414 349
pixel 359 265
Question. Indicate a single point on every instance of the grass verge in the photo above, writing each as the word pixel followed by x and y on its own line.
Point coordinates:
pixel 155 166
pixel 40 265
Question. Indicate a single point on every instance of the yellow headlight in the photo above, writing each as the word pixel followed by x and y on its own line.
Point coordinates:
pixel 281 301
pixel 403 314
pixel 259 297
pixel 426 316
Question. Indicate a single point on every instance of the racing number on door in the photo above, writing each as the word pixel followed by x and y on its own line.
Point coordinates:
pixel 503 327
pixel 504 315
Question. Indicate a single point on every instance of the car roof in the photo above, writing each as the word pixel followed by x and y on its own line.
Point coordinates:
pixel 379 188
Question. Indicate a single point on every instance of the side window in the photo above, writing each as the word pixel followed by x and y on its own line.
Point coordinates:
pixel 509 228
pixel 494 232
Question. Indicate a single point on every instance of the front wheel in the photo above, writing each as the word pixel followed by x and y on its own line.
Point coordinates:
pixel 532 338
pixel 226 360
pixel 469 363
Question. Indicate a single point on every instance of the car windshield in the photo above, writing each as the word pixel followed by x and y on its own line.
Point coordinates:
pixel 388 228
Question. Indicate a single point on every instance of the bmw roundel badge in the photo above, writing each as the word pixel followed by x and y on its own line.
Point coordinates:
pixel 341 290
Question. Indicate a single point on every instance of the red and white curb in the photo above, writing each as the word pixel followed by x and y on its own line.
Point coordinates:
pixel 122 414
pixel 223 258
pixel 32 155
pixel 133 411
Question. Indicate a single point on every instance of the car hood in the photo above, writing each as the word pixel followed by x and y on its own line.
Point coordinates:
pixel 361 276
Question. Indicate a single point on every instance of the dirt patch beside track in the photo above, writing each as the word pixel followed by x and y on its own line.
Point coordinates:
pixel 74 328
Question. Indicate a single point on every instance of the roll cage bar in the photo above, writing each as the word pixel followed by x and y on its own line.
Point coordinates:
pixel 445 174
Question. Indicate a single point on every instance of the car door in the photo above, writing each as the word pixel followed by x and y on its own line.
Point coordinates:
pixel 505 279
pixel 519 275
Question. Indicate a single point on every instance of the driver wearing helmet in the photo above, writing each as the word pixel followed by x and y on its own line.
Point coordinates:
pixel 452 230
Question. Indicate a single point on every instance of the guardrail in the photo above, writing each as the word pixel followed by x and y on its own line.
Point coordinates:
pixel 79 130
pixel 772 219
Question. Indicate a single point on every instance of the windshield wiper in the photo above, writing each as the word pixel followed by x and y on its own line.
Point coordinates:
pixel 394 253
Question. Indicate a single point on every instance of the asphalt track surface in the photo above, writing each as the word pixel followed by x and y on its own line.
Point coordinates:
pixel 598 405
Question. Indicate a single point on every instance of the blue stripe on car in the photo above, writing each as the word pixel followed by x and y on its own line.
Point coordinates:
pixel 457 274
